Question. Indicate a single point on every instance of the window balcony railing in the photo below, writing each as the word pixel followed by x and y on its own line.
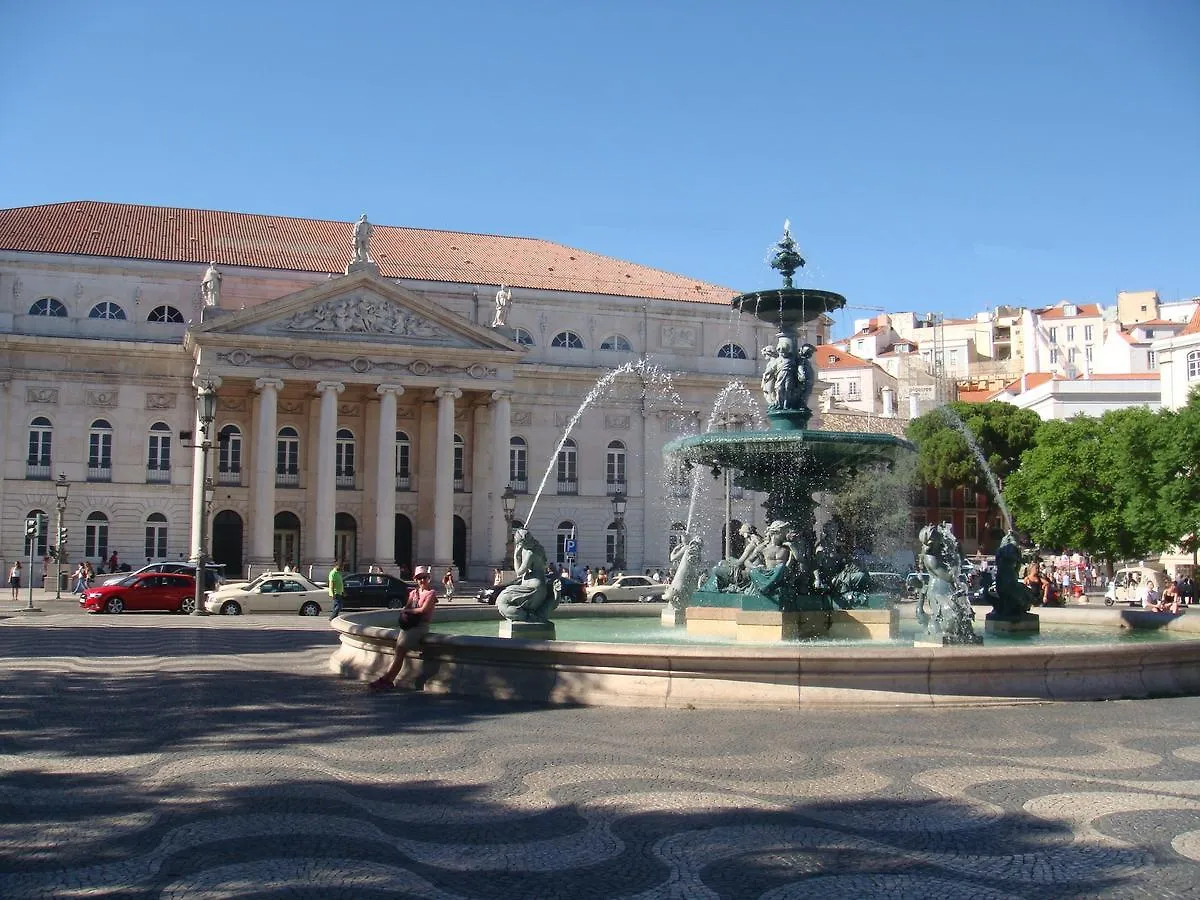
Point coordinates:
pixel 736 492
pixel 230 477
pixel 39 471
pixel 568 487
pixel 344 480
pixel 520 486
pixel 615 487
pixel 99 473
pixel 458 485
pixel 287 479
pixel 404 482
pixel 158 476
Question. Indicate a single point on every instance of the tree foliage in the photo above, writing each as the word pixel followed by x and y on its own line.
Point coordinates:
pixel 1002 432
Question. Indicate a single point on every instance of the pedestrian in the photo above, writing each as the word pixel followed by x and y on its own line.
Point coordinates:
pixel 414 625
pixel 14 580
pixel 112 562
pixel 80 577
pixel 448 583
pixel 45 570
pixel 337 589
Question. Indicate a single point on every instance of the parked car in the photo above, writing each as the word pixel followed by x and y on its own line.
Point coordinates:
pixel 625 589
pixel 213 573
pixel 142 592
pixel 370 589
pixel 269 592
pixel 571 591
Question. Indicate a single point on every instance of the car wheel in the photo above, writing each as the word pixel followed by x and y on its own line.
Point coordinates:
pixel 598 598
pixel 395 602
pixel 114 605
pixel 231 608
pixel 188 606
pixel 1108 601
pixel 311 608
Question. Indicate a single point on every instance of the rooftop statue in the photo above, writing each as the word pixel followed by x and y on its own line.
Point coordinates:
pixel 503 301
pixel 210 286
pixel 362 241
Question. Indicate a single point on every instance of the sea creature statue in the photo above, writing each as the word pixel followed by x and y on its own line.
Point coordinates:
pixel 528 598
pixel 779 565
pixel 729 575
pixel 944 609
pixel 685 559
pixel 1010 598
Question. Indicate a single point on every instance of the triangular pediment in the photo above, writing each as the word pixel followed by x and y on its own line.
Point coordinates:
pixel 361 307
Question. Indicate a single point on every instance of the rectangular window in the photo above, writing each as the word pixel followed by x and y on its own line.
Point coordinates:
pixel 1151 359
pixel 1087 353
pixel 156 541
pixel 100 450
pixel 953 359
pixel 95 540
pixel 1054 357
pixel 836 389
pixel 945 495
pixel 1070 354
pixel 159 456
pixel 1054 335
pixel 1087 332
pixel 568 473
pixel 614 470
pixel 970 528
pixel 1070 333
pixel 518 468
pixel 853 389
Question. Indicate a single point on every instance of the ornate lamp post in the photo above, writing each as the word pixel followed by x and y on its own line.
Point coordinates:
pixel 509 500
pixel 61 488
pixel 206 411
pixel 619 502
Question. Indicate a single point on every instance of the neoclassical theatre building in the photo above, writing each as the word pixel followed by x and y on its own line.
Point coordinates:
pixel 378 389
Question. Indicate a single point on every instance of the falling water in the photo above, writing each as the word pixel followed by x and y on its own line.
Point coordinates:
pixel 650 374
pixel 719 405
pixel 961 427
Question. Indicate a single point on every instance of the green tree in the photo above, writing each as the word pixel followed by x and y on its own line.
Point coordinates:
pixel 1178 476
pixel 1002 432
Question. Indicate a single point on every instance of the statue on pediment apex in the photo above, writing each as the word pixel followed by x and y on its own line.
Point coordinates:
pixel 362 240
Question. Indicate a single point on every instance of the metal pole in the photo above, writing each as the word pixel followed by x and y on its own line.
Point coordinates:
pixel 32 547
pixel 728 516
pixel 59 554
pixel 201 555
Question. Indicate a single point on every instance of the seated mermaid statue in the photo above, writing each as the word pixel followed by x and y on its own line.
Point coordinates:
pixel 529 598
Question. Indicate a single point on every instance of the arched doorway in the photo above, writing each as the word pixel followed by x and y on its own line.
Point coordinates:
pixel 345 541
pixel 287 540
pixel 403 542
pixel 227 541
pixel 459 551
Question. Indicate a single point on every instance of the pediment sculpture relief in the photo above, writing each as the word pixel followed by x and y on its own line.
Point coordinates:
pixel 362 315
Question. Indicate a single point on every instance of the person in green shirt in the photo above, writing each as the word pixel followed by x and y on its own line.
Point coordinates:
pixel 337 589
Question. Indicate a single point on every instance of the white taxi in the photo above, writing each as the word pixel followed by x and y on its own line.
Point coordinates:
pixel 286 592
pixel 626 589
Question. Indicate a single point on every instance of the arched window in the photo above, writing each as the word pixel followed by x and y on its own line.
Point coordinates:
pixel 565 531
pixel 1193 365
pixel 459 454
pixel 48 306
pixel 156 536
pixel 229 455
pixel 41 435
pixel 95 536
pixel 524 338
pixel 403 461
pixel 567 339
pixel 287 457
pixel 106 309
pixel 614 467
pixel 343 459
pixel 616 342
pixel 158 456
pixel 165 314
pixel 568 468
pixel 42 541
pixel 731 351
pixel 100 437
pixel 518 465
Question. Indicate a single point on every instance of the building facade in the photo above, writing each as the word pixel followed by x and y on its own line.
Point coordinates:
pixel 375 397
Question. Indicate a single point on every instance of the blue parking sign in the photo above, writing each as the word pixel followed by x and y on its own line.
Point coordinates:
pixel 569 546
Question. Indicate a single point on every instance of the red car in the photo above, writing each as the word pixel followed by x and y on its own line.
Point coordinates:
pixel 148 591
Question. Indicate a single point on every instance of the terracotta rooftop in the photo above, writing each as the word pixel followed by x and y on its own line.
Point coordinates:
pixel 976 396
pixel 1193 327
pixel 1059 312
pixel 827 356
pixel 168 234
pixel 1028 382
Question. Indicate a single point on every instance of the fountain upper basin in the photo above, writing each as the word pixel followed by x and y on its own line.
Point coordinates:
pixel 788 306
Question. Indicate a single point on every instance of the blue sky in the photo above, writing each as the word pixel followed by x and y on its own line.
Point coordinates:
pixel 932 156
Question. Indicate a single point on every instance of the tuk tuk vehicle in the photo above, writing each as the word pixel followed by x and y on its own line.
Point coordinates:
pixel 1125 584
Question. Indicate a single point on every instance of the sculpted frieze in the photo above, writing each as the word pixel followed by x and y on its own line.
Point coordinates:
pixel 106 399
pixel 522 417
pixel 41 395
pixel 349 409
pixel 682 337
pixel 359 365
pixel 161 401
pixel 617 422
pixel 363 314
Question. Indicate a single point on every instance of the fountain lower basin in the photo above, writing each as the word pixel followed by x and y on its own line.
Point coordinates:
pixel 792 676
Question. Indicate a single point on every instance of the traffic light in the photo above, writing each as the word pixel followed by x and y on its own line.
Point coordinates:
pixel 31 527
pixel 62 535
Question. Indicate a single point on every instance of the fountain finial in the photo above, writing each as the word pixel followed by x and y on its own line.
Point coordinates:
pixel 787 258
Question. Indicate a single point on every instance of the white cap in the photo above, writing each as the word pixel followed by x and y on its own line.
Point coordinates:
pixel 421 570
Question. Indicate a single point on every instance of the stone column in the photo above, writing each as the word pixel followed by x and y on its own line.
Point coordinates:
pixel 385 479
pixel 501 435
pixel 262 485
pixel 443 494
pixel 323 545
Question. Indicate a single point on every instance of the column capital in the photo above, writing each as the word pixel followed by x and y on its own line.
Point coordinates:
pixel 212 381
pixel 275 384
pixel 452 392
pixel 396 389
pixel 335 386
pixel 502 395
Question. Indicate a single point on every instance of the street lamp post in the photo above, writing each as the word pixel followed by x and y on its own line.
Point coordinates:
pixel 61 489
pixel 509 500
pixel 618 504
pixel 206 411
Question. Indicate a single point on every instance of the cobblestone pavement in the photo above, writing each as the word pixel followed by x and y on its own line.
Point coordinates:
pixel 160 756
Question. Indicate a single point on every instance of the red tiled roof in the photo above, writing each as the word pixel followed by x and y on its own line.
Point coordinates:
pixel 1155 322
pixel 975 396
pixel 1028 382
pixel 90 228
pixel 1081 309
pixel 841 359
pixel 1193 327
